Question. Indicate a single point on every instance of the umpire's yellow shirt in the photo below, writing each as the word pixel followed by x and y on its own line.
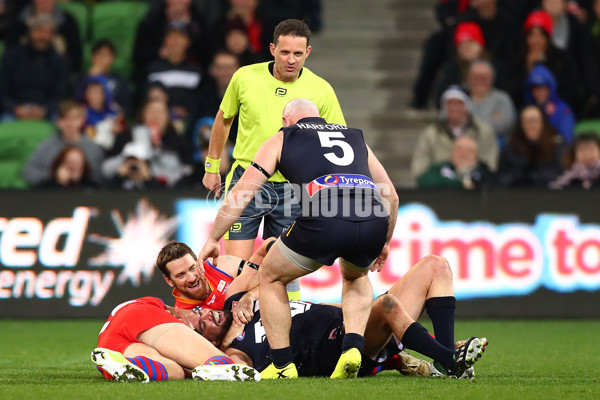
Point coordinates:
pixel 259 99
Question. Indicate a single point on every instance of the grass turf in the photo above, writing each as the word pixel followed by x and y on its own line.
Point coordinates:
pixel 524 360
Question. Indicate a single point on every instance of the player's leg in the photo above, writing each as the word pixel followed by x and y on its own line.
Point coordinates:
pixel 239 248
pixel 357 295
pixel 428 285
pixel 152 362
pixel 239 240
pixel 276 271
pixel 389 316
pixel 191 351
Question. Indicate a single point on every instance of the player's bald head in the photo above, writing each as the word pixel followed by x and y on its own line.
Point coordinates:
pixel 297 109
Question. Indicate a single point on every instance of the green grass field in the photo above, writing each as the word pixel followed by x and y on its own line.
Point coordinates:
pixel 524 360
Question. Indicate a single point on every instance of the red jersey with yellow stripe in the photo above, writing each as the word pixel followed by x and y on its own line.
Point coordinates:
pixel 219 283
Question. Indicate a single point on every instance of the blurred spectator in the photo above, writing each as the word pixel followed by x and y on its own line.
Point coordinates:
pixel 447 11
pixel 567 31
pixel 149 44
pixel 499 27
pixel 537 48
pixel 169 155
pixel 69 170
pixel 8 12
pixel 499 34
pixel 103 58
pixel 180 77
pixel 592 70
pixel 103 119
pixel 491 105
pixel 70 120
pixel 213 88
pixel 33 77
pixel 201 139
pixel 243 12
pixel 464 170
pixel 541 91
pixel 156 91
pixel 583 167
pixel 520 9
pixel 66 41
pixel 532 157
pixel 134 171
pixel 569 35
pixel 469 46
pixel 436 141
pixel 237 42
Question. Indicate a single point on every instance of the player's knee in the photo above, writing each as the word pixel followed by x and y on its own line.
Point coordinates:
pixel 390 303
pixel 267 275
pixel 438 267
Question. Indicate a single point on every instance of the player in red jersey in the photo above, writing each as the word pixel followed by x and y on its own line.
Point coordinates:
pixel 207 285
pixel 144 340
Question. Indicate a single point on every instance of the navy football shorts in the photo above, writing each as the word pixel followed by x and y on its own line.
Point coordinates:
pixel 325 239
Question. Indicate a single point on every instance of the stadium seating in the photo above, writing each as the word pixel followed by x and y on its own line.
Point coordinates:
pixel 588 126
pixel 80 12
pixel 18 140
pixel 118 22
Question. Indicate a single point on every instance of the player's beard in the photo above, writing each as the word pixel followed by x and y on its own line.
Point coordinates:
pixel 200 293
pixel 228 315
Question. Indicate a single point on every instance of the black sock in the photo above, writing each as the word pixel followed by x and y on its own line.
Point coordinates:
pixel 441 310
pixel 418 338
pixel 282 357
pixel 353 340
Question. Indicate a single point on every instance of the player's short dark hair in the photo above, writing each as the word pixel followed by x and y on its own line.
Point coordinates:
pixel 291 27
pixel 65 106
pixel 172 251
pixel 103 43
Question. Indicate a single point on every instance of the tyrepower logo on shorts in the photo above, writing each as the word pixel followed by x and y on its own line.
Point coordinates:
pixel 339 180
pixel 44 261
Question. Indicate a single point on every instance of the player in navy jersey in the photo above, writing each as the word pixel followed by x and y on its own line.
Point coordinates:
pixel 317 331
pixel 349 212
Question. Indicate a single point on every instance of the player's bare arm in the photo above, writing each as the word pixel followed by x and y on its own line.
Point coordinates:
pixel 239 357
pixel 243 192
pixel 218 137
pixel 388 192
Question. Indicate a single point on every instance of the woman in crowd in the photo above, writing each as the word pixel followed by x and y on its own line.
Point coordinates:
pixel 533 155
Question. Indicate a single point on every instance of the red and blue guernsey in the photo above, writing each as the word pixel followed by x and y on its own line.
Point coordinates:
pixel 219 283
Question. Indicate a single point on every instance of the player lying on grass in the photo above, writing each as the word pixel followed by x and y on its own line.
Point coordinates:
pixel 144 340
pixel 317 330
pixel 192 289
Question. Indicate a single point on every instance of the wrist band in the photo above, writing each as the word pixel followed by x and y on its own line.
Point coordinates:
pixel 212 165
pixel 253 266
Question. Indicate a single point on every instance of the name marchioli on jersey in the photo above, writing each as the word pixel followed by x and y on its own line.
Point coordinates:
pixel 329 127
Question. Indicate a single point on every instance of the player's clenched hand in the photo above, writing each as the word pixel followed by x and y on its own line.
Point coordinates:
pixel 242 311
pixel 211 249
pixel 380 262
pixel 212 182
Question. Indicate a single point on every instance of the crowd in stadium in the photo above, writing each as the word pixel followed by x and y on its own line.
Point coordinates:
pixel 133 87
pixel 518 82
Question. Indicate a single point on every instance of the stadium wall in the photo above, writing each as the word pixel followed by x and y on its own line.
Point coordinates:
pixel 517 254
